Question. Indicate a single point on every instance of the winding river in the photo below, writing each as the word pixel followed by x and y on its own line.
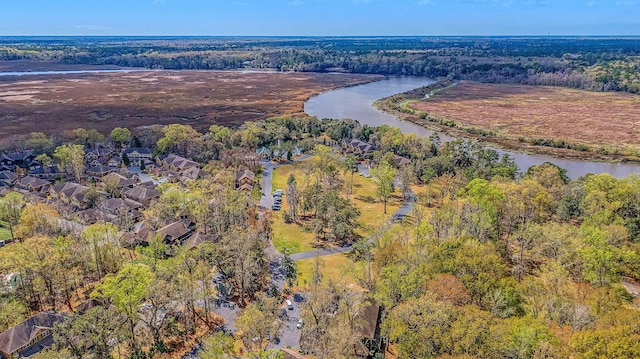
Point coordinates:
pixel 356 103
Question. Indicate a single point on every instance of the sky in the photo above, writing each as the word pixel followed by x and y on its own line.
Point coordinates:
pixel 319 17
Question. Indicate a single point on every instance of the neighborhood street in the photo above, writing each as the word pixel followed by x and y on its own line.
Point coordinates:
pixel 290 333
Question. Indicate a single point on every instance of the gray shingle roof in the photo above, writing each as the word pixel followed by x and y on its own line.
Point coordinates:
pixel 22 334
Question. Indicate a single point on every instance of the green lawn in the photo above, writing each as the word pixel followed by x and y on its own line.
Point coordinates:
pixel 288 235
pixel 5 234
pixel 371 213
pixel 336 267
pixel 292 236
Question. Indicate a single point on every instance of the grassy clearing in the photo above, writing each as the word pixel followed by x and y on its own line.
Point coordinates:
pixel 295 239
pixel 281 174
pixel 5 234
pixel 336 267
pixel 291 236
pixel 371 213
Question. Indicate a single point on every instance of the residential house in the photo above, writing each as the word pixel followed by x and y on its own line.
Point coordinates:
pixel 6 163
pixel 87 216
pixel 142 193
pixel 34 165
pixel 176 163
pixel 33 184
pixel 29 337
pixel 97 172
pixel 370 338
pixel 127 180
pixel 16 159
pixel 358 147
pixel 90 304
pixel 197 239
pixel 176 232
pixel 8 178
pixel 370 341
pixel 46 173
pixel 72 194
pixel 264 152
pixel 194 173
pixel 285 153
pixel 115 207
pixel 115 161
pixel 137 155
pixel 245 180
pixel 93 163
pixel 173 233
pixel 401 161
pixel 98 156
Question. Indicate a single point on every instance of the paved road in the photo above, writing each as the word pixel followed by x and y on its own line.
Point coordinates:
pixel 267 180
pixel 320 252
pixel 289 335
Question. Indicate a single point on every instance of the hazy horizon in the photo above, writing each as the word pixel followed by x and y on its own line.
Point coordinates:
pixel 321 18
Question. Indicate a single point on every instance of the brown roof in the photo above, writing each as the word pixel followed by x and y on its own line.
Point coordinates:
pixel 370 316
pixel 245 174
pixel 180 162
pixel 174 230
pixel 246 187
pixel 69 188
pixel 123 181
pixel 100 170
pixel 195 173
pixel 113 204
pixel 32 182
pixel 142 193
pixel 401 161
pixel 22 334
pixel 197 238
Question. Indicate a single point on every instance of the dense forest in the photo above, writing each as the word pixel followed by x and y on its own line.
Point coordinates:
pixel 598 64
pixel 491 262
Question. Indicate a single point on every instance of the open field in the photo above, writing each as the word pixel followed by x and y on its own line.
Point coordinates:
pixel 336 267
pixel 291 236
pixel 600 120
pixel 5 234
pixel 55 103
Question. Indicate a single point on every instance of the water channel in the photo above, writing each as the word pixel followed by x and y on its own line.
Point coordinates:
pixel 356 103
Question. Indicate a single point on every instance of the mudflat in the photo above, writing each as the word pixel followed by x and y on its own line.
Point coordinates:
pixel 56 103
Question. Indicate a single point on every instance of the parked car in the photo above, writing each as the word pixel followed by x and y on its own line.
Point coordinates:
pixel 289 305
pixel 299 325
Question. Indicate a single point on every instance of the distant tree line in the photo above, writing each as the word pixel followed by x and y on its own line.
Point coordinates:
pixel 590 64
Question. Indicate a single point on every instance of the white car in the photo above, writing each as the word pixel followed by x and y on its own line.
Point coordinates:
pixel 299 325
